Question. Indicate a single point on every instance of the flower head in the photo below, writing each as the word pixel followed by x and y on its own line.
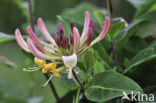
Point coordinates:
pixel 61 50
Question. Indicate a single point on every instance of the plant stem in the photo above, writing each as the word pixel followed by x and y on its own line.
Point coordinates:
pixel 78 80
pixel 115 55
pixel 52 89
pixel 31 15
pixel 110 11
pixel 110 8
pixel 46 75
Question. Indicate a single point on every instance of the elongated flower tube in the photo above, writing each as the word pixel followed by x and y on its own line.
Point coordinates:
pixel 61 50
pixel 45 32
pixel 22 43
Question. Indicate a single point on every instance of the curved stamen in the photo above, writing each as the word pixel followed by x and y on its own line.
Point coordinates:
pixel 31 69
pixel 44 85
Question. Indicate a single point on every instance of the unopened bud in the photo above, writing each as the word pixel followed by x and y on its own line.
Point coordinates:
pixel 72 26
pixel 65 42
pixel 90 36
pixel 72 39
pixel 91 25
pixel 57 39
pixel 61 30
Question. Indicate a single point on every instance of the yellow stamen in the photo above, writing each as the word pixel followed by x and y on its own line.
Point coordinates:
pixel 31 69
pixel 50 66
pixel 58 70
pixel 67 69
pixel 44 71
pixel 39 62
pixel 58 75
pixel 24 69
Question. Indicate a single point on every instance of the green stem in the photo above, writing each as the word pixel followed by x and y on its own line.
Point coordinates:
pixel 110 8
pixel 78 80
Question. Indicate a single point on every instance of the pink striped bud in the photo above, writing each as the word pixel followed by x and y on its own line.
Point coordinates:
pixel 21 42
pixel 76 39
pixel 86 27
pixel 57 39
pixel 72 26
pixel 33 35
pixel 104 31
pixel 65 42
pixel 37 52
pixel 91 25
pixel 44 31
pixel 90 36
pixel 71 38
pixel 61 30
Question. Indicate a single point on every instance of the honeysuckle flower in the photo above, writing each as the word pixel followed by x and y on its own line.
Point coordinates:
pixel 70 62
pixel 60 50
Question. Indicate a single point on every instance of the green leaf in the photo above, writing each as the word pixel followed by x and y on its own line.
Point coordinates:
pixel 147 29
pixel 77 14
pixel 144 8
pixel 66 26
pixel 142 56
pixel 136 3
pixel 13 15
pixel 98 67
pixel 108 85
pixel 114 30
pixel 90 58
pixel 65 82
pixel 100 17
pixel 123 36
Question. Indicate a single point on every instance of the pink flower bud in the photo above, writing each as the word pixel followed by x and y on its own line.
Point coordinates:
pixel 104 31
pixel 37 52
pixel 33 35
pixel 21 42
pixel 65 42
pixel 57 39
pixel 76 39
pixel 71 38
pixel 86 26
pixel 90 36
pixel 44 31
pixel 72 26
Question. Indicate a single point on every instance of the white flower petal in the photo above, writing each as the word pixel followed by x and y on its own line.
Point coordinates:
pixel 70 74
pixel 70 61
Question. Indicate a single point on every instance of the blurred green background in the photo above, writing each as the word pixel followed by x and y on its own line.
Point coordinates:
pixel 17 86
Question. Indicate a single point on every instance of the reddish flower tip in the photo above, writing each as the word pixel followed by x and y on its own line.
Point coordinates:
pixel 72 26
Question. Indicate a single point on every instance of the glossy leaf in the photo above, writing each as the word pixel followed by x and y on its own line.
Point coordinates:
pixel 144 8
pixel 100 17
pixel 142 56
pixel 90 58
pixel 114 30
pixel 108 85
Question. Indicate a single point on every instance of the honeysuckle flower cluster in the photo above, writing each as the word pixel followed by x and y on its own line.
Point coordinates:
pixel 61 51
